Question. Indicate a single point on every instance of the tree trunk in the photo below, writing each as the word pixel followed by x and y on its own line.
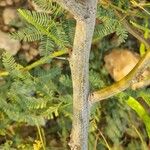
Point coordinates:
pixel 79 63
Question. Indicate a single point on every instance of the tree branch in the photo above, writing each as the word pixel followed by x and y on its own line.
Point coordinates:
pixel 132 77
pixel 123 84
pixel 132 31
pixel 79 64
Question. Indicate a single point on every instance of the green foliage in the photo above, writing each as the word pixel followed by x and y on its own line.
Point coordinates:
pixel 30 99
pixel 54 34
pixel 46 46
pixel 140 109
pixel 135 105
pixel 49 6
pixel 44 4
pixel 109 24
pixel 122 4
pixel 145 94
pixel 51 33
pixel 27 34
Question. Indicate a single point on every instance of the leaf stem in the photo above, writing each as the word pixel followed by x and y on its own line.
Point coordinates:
pixel 45 59
pixel 39 62
pixel 40 135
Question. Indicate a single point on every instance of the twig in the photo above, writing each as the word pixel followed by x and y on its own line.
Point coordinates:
pixel 39 62
pixel 141 138
pixel 132 31
pixel 132 77
pixel 107 145
pixel 40 136
pixel 96 141
pixel 45 59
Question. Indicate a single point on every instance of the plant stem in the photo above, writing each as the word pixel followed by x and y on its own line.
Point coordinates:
pixel 39 62
pixel 132 31
pixel 79 63
pixel 140 27
pixel 40 135
pixel 109 148
pixel 3 73
pixel 45 59
pixel 124 83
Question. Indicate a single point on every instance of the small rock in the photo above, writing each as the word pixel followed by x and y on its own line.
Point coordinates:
pixel 28 57
pixel 33 52
pixel 9 44
pixel 5 28
pixel 25 46
pixel 9 14
pixel 46 66
pixel 9 2
pixel 119 62
pixel 16 1
pixel 12 30
pixel 3 3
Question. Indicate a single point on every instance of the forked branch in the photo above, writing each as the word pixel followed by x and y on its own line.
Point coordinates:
pixel 123 84
pixel 132 77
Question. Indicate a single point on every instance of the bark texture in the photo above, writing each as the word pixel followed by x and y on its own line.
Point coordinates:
pixel 79 63
pixel 84 12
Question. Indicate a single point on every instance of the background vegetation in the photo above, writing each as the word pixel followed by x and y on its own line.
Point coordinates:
pixel 36 95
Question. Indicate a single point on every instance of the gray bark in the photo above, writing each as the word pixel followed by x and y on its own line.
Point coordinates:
pixel 84 12
pixel 79 63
